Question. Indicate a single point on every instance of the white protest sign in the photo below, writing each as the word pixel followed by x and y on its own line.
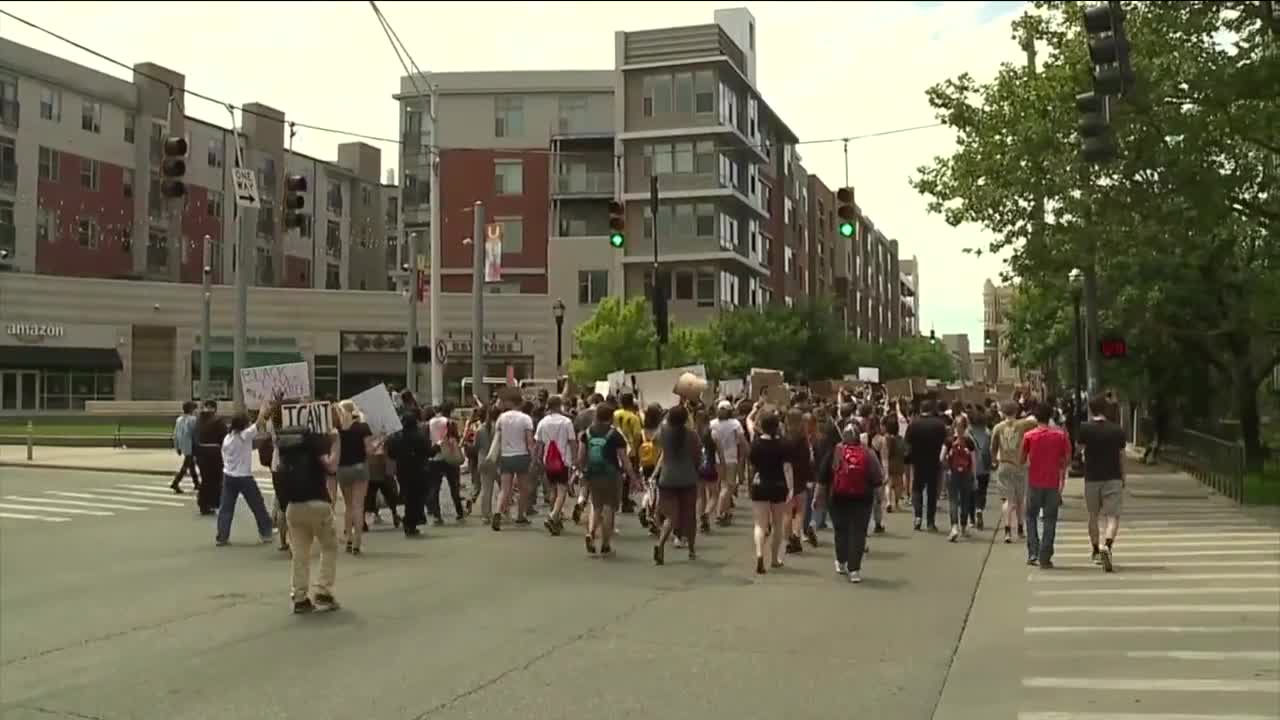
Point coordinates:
pixel 655 386
pixel 617 382
pixel 602 388
pixel 869 374
pixel 317 415
pixel 261 384
pixel 378 410
pixel 732 388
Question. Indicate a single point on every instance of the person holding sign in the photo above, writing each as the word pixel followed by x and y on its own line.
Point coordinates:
pixel 237 474
pixel 355 444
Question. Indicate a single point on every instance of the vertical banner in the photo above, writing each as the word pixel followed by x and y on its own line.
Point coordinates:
pixel 493 252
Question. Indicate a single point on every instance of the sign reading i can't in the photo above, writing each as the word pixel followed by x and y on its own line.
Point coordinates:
pixel 317 415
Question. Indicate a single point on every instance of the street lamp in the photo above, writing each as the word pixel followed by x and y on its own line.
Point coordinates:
pixel 1076 279
pixel 557 311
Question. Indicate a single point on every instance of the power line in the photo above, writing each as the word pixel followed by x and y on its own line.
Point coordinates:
pixel 761 146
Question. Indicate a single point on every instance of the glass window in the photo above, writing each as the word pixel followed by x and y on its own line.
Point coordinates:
pixel 661 94
pixel 593 286
pixel 131 127
pixel 508 177
pixel 706 222
pixel 91 116
pixel 663 159
pixel 87 232
pixel 333 239
pixel 128 181
pixel 646 101
pixel 704 91
pixel 684 92
pixel 684 223
pixel 706 288
pixel 89 175
pixel 51 104
pixel 573 113
pixel 45 222
pixel 512 235
pixel 704 157
pixel 683 160
pixel 684 285
pixel 216 151
pixel 49 160
pixel 508 116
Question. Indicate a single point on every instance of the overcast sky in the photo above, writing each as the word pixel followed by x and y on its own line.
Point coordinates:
pixel 830 69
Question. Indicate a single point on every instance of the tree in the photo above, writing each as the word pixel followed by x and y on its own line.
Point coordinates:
pixel 914 357
pixel 1182 228
pixel 620 335
pixel 693 346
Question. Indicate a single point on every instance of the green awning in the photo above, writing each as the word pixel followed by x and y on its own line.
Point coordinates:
pixel 225 360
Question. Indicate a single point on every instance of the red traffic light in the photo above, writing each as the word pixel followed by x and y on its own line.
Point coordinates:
pixel 1113 348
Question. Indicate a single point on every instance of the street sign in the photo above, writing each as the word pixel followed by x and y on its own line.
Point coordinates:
pixel 246 186
pixel 442 352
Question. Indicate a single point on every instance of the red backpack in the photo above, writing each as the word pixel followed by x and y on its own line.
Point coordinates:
pixel 851 472
pixel 960 460
pixel 554 463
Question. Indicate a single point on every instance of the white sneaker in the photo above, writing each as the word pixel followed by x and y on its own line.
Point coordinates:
pixel 855 577
pixel 842 568
pixel 955 533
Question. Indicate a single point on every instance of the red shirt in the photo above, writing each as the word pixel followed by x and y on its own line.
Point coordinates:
pixel 1047 450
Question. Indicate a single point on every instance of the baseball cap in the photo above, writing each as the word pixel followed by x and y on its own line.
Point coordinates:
pixel 724 405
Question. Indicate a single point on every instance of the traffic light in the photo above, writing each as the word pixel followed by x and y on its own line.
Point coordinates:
pixel 174 168
pixel 1113 348
pixel 1108 49
pixel 617 224
pixel 294 186
pixel 1097 144
pixel 844 211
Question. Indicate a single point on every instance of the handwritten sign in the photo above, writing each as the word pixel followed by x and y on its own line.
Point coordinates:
pixel 292 380
pixel 378 411
pixel 317 415
pixel 869 374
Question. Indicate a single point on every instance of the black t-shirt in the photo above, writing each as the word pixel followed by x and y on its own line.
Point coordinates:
pixel 925 437
pixel 352 440
pixel 614 441
pixel 769 457
pixel 302 473
pixel 801 458
pixel 1103 443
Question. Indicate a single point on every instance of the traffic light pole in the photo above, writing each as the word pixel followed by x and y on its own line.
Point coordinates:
pixel 243 269
pixel 437 368
pixel 657 283
pixel 478 388
pixel 206 314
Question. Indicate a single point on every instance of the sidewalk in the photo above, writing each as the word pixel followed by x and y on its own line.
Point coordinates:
pixel 1186 627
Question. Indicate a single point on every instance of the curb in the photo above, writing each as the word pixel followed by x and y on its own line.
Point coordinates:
pixel 83 468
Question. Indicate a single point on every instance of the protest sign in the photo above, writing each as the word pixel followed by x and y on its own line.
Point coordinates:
pixel 869 374
pixel 292 381
pixel 378 411
pixel 317 415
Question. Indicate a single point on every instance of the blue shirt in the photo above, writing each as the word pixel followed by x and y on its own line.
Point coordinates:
pixel 184 434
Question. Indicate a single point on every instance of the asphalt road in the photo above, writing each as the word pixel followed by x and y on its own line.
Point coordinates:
pixel 137 615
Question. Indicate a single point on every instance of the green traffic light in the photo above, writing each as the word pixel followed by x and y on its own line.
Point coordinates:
pixel 846 229
pixel 616 239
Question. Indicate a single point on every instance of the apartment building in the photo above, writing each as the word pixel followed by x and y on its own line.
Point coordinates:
pixel 909 277
pixel 877 290
pixel 996 301
pixel 106 266
pixel 958 345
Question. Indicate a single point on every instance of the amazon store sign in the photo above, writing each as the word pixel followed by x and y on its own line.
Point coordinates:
pixel 34 332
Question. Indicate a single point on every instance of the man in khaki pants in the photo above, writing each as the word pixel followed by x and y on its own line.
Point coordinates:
pixel 306 458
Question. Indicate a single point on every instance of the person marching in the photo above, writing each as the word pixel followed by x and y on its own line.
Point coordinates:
pixel 602 457
pixel 770 489
pixel 303 459
pixel 679 453
pixel 848 492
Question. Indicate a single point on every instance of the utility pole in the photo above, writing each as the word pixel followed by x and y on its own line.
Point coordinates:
pixel 478 236
pixel 206 314
pixel 659 294
pixel 244 267
pixel 437 368
pixel 411 273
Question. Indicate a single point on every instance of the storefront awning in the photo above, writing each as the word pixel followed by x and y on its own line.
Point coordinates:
pixel 224 360
pixel 30 357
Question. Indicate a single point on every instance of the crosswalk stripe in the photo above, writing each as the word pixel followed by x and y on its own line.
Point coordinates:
pixel 1153 684
pixel 1135 716
pixel 1126 537
pixel 119 494
pixel 1186 655
pixel 1177 563
pixel 1194 553
pixel 38 518
pixel 149 489
pixel 1273 590
pixel 1210 544
pixel 1116 609
pixel 1149 576
pixel 114 498
pixel 46 508
pixel 1166 629
pixel 106 506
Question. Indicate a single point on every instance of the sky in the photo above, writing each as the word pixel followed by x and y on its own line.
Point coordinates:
pixel 830 69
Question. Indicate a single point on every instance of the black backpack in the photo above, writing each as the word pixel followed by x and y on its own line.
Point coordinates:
pixel 301 475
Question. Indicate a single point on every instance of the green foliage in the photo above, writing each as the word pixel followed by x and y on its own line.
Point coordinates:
pixel 619 335
pixel 1182 228
pixel 914 357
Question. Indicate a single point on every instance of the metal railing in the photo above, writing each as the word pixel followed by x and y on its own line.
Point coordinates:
pixel 592 182
pixel 1218 463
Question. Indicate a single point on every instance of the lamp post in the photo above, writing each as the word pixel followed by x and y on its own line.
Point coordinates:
pixel 1076 278
pixel 557 311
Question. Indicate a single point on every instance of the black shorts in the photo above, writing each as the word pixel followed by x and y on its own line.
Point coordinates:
pixel 558 478
pixel 769 493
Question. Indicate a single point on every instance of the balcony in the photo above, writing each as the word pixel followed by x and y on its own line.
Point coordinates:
pixel 9 113
pixel 591 184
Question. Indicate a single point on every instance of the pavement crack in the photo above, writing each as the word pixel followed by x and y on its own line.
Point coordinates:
pixel 62 713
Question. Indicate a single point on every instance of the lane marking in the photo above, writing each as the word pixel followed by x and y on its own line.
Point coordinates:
pixel 1134 716
pixel 1118 609
pixel 151 490
pixel 39 518
pixel 1275 590
pixel 1274 542
pixel 69 511
pixel 1153 684
pixel 1175 563
pixel 79 503
pixel 1193 655
pixel 1149 576
pixel 1168 629
pixel 1193 553
pixel 118 494
pixel 1125 537
pixel 114 498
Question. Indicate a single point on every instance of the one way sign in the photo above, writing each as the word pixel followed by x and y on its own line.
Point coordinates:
pixel 246 182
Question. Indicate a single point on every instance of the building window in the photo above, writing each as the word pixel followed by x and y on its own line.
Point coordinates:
pixel 158 249
pixel 46 224
pixel 332 276
pixel 512 235
pixel 64 390
pixel 128 181
pixel 89 174
pixel 682 158
pixel 87 232
pixel 8 227
pixel 333 239
pixel 706 288
pixel 508 177
pixel 91 116
pixel 573 113
pixel 335 197
pixel 9 101
pixel 48 163
pixel 684 285
pixel 704 157
pixel 706 220
pixel 8 162
pixel 508 116
pixel 216 151
pixel 130 127
pixel 704 92
pixel 51 104
pixel 593 286
pixel 215 204
pixel 661 94
pixel 684 92
pixel 506 287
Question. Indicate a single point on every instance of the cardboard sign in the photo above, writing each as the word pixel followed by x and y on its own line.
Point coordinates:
pixel 317 415
pixel 822 388
pixel 869 374
pixel 763 378
pixel 732 388
pixel 900 388
pixel 261 384
pixel 776 395
pixel 378 410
